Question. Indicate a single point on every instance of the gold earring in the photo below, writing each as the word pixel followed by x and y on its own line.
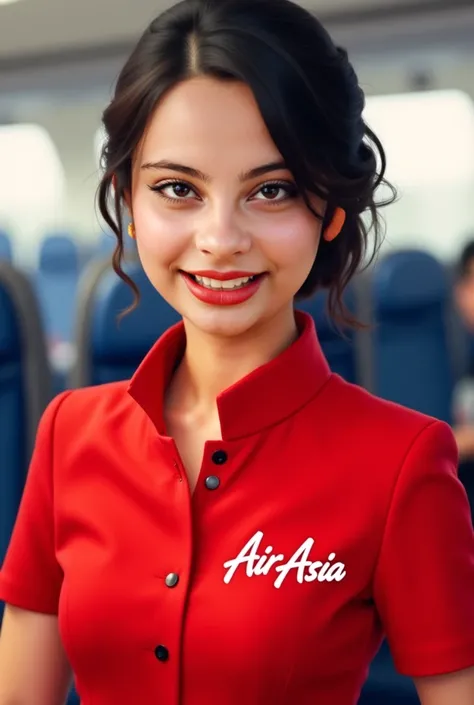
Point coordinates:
pixel 131 231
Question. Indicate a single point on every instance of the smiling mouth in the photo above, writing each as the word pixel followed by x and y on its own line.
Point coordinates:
pixel 228 285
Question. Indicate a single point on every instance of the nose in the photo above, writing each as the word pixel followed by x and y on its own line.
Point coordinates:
pixel 222 234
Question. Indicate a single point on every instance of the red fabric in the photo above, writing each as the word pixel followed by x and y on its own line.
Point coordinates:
pixel 317 469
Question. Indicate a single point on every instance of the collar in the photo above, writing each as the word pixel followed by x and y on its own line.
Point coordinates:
pixel 266 396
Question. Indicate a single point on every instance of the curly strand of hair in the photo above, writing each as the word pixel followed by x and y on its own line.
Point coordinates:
pixel 117 228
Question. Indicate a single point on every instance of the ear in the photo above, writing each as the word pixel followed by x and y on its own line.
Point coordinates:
pixel 127 199
pixel 336 225
pixel 125 195
pixel 128 202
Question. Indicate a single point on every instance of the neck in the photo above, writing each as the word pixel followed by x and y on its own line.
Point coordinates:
pixel 212 364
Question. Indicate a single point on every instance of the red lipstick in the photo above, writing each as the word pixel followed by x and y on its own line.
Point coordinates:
pixel 222 297
pixel 223 276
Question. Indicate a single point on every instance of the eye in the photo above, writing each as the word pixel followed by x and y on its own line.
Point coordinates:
pixel 177 190
pixel 271 190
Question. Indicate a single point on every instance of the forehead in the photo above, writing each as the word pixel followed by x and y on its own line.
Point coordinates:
pixel 204 118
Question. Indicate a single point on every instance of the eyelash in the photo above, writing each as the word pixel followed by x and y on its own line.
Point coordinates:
pixel 291 190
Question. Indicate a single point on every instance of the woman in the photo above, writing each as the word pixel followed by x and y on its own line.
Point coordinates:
pixel 237 525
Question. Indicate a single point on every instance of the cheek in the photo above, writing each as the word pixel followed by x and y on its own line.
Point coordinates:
pixel 161 235
pixel 291 238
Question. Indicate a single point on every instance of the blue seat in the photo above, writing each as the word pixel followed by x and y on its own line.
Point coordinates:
pixel 108 350
pixel 25 390
pixel 73 698
pixel 56 283
pixel 384 686
pixel 107 241
pixel 6 249
pixel 413 365
pixel 339 348
pixel 105 245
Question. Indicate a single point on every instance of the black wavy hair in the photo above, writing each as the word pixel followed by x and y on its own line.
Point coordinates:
pixel 309 97
pixel 466 259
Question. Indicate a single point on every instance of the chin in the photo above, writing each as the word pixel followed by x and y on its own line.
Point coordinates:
pixel 225 322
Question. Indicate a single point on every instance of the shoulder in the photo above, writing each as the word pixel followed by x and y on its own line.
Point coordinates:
pixel 89 405
pixel 101 394
pixel 378 426
pixel 364 408
pixel 98 417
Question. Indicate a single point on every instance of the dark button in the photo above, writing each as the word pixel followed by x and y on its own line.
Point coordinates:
pixel 219 457
pixel 162 653
pixel 212 482
pixel 171 580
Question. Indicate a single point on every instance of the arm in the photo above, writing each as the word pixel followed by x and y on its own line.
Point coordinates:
pixel 424 580
pixel 33 666
pixel 452 689
pixel 464 436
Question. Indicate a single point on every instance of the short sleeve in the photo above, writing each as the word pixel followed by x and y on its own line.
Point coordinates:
pixel 424 581
pixel 30 577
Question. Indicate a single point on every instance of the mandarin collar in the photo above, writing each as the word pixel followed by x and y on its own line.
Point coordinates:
pixel 263 398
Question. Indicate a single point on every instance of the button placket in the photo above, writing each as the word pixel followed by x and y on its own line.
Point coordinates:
pixel 219 457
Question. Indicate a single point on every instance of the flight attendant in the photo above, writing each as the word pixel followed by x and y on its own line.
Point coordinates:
pixel 236 524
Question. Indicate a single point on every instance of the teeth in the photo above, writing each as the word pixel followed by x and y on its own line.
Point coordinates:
pixel 222 285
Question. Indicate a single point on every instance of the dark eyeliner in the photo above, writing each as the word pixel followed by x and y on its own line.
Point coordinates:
pixel 290 188
pixel 159 188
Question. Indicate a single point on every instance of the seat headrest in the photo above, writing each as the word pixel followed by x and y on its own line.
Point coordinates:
pixel 409 280
pixel 134 335
pixel 9 326
pixel 316 306
pixel 6 250
pixel 107 242
pixel 59 255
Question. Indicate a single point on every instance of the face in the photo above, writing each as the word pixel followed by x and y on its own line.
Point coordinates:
pixel 465 298
pixel 211 195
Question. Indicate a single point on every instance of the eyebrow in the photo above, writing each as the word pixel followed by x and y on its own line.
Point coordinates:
pixel 246 176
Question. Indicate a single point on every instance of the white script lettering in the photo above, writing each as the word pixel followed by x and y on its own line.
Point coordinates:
pixel 306 570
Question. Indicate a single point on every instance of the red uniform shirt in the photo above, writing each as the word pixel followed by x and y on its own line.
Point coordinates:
pixel 324 517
